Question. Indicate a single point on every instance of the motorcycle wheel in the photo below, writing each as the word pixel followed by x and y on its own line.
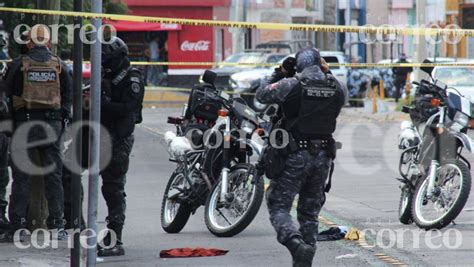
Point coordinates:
pixel 246 203
pixel 420 200
pixel 174 215
pixel 404 207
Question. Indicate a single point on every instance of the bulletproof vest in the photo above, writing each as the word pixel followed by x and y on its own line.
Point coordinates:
pixel 41 85
pixel 319 107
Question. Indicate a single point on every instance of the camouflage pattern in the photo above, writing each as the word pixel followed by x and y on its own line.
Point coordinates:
pixel 43 156
pixel 276 88
pixel 305 174
pixel 3 171
pixel 114 179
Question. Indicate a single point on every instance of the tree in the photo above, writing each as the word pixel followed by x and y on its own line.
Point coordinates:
pixel 11 20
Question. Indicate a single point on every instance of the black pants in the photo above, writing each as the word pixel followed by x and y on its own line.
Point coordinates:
pixel 49 162
pixel 399 83
pixel 3 171
pixel 114 179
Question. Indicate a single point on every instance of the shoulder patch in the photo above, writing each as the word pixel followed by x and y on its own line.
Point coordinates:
pixel 135 79
pixel 135 87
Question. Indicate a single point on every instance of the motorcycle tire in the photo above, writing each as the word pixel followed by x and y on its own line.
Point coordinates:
pixel 182 215
pixel 456 208
pixel 404 206
pixel 249 214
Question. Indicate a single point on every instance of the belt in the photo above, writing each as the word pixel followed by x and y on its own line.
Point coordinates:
pixel 314 144
pixel 37 115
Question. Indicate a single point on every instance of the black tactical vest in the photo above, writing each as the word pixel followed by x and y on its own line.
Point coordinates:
pixel 311 112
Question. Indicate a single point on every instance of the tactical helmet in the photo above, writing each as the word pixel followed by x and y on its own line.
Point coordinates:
pixel 306 58
pixel 116 47
pixel 114 53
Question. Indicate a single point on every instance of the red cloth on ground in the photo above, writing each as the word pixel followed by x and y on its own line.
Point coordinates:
pixel 192 252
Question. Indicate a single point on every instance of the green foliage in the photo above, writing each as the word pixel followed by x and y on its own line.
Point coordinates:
pixel 11 20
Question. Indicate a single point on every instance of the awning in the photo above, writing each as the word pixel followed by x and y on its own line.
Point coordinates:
pixel 130 26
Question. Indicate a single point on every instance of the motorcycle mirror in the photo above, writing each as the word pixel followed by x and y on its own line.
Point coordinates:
pixel 428 70
pixel 271 111
pixel 209 77
pixel 406 109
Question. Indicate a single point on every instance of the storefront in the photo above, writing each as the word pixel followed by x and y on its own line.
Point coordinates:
pixel 184 43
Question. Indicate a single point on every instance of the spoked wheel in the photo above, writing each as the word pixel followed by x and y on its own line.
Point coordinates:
pixel 174 214
pixel 404 207
pixel 226 218
pixel 450 194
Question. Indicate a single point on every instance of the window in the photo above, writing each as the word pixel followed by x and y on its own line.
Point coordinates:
pixel 312 5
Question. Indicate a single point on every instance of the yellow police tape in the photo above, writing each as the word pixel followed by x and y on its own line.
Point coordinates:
pixel 255 25
pixel 187 90
pixel 348 65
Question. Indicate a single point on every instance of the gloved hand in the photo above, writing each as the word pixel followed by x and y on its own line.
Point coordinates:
pixel 288 66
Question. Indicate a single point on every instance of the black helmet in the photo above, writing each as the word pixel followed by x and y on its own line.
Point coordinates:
pixel 116 47
pixel 114 54
pixel 306 58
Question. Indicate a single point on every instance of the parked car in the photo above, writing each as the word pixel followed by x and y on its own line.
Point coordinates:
pixel 342 72
pixel 461 78
pixel 246 83
pixel 285 46
pixel 249 57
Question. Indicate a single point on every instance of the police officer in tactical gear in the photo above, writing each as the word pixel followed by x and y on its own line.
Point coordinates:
pixel 41 96
pixel 311 100
pixel 122 97
pixel 4 143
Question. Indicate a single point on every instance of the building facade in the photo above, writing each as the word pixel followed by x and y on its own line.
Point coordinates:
pixel 184 43
pixel 292 11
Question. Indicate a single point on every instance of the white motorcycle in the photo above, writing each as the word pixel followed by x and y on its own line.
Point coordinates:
pixel 436 177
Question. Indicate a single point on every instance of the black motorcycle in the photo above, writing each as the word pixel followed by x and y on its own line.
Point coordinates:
pixel 436 178
pixel 213 169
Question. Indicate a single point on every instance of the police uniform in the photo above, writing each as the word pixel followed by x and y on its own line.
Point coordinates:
pixel 40 92
pixel 311 102
pixel 4 179
pixel 121 104
pixel 4 142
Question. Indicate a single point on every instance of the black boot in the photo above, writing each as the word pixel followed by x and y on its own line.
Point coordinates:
pixel 4 223
pixel 116 250
pixel 301 252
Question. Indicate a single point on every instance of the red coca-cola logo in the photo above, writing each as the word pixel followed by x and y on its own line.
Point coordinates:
pixel 200 45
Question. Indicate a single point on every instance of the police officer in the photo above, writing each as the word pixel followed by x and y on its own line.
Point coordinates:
pixel 4 141
pixel 310 101
pixel 400 75
pixel 123 90
pixel 41 94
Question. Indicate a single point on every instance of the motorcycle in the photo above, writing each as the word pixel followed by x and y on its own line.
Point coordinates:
pixel 436 177
pixel 217 174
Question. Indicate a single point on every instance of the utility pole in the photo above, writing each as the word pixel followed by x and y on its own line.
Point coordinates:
pixel 237 39
pixel 420 41
pixel 246 31
pixel 349 23
pixel 76 203
pixel 96 61
pixel 338 22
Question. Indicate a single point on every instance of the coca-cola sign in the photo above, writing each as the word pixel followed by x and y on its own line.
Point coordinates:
pixel 200 45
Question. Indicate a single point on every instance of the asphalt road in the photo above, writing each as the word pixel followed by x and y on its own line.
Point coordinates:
pixel 365 195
